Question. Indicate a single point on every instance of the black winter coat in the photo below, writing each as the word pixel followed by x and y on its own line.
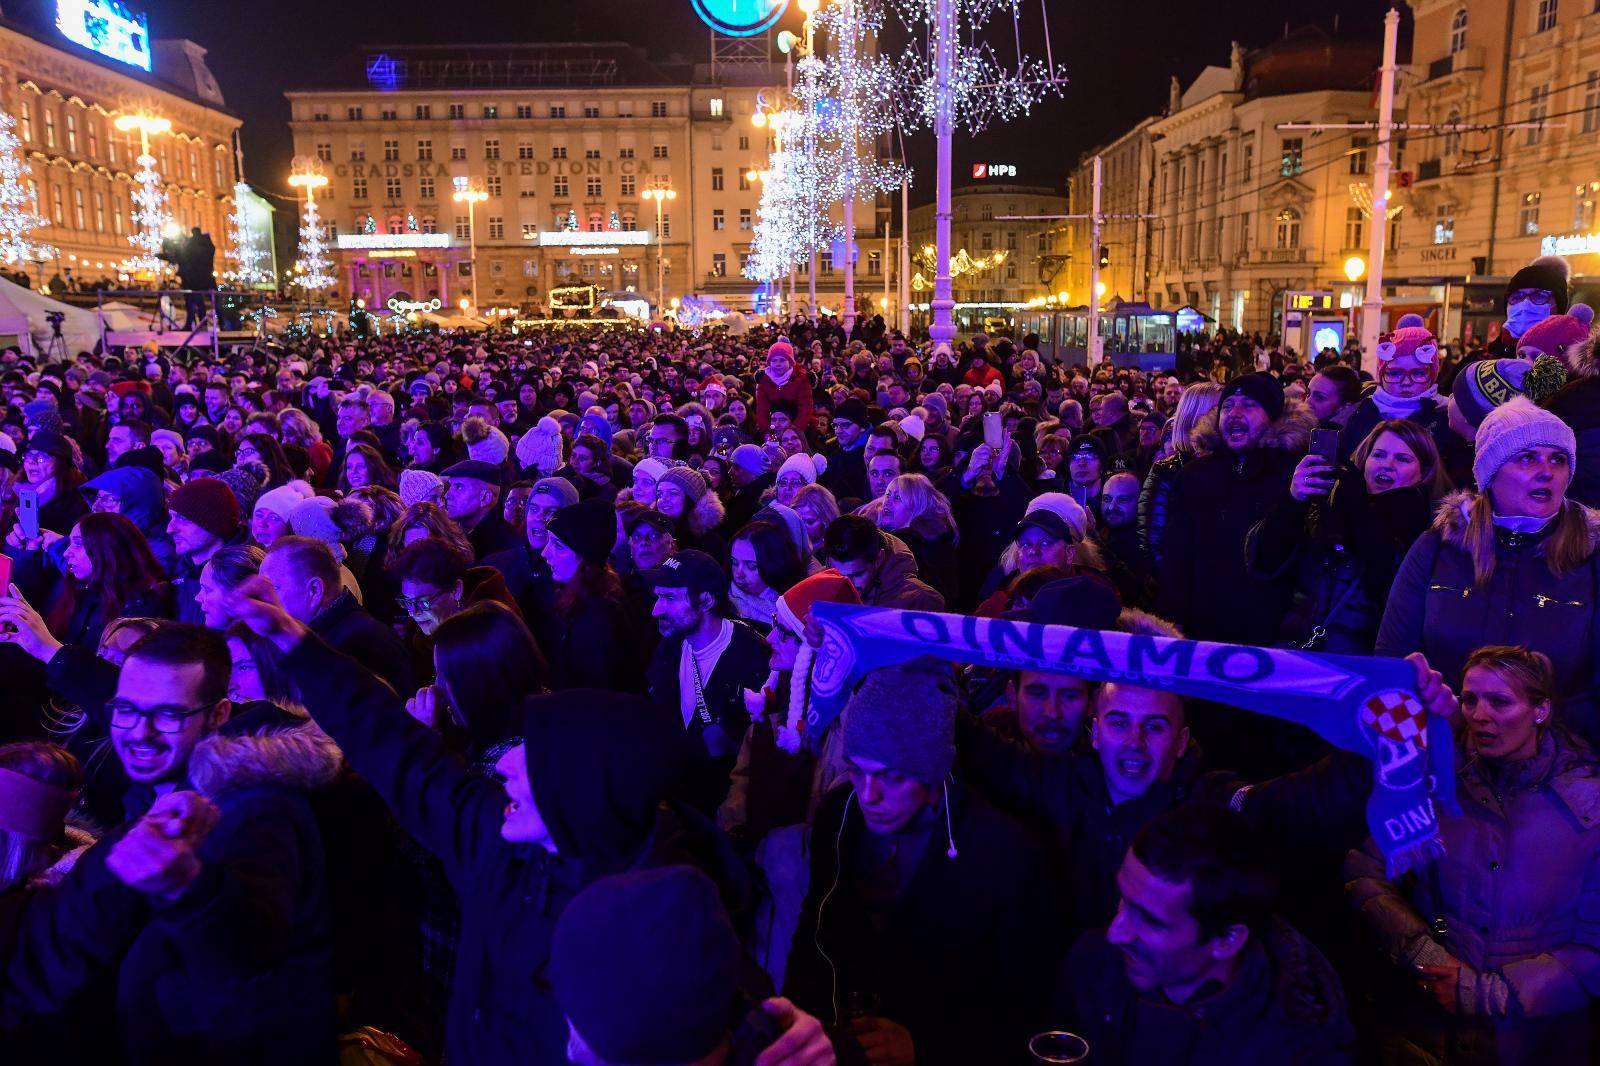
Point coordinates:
pixel 1578 405
pixel 1365 418
pixel 965 969
pixel 347 626
pixel 1283 1007
pixel 1154 501
pixel 595 648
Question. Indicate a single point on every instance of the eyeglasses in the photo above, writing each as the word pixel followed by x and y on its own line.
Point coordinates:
pixel 163 718
pixel 1395 375
pixel 1538 297
pixel 417 604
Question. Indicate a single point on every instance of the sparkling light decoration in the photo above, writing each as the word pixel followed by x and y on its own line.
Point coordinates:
pixel 315 267
pixel 149 219
pixel 984 89
pixel 252 248
pixel 1361 193
pixel 960 264
pixel 18 220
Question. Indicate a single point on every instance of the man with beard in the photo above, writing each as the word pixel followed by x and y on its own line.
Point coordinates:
pixel 703 666
pixel 1126 562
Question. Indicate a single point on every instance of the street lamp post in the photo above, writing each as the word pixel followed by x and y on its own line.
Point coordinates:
pixel 472 198
pixel 660 194
pixel 313 268
pixel 149 200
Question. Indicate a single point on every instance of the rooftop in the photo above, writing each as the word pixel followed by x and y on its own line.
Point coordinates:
pixel 412 67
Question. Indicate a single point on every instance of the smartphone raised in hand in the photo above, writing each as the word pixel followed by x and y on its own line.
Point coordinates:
pixel 28 511
pixel 1325 446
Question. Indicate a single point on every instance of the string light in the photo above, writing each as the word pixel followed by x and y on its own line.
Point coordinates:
pixel 960 264
pixel 18 220
pixel 252 248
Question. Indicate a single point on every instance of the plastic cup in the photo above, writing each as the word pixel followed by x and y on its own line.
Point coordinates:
pixel 1058 1049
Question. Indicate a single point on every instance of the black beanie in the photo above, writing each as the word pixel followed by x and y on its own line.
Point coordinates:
pixel 1261 388
pixel 645 965
pixel 588 527
pixel 1548 272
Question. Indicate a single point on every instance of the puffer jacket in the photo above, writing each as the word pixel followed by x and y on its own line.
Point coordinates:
pixel 797 390
pixel 1517 890
pixel 1434 608
pixel 1154 499
pixel 1283 1007
pixel 1343 552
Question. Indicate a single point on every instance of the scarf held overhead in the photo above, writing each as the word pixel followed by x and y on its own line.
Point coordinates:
pixel 1364 705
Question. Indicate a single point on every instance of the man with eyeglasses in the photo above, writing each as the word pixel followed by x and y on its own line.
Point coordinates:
pixel 668 437
pixel 1537 291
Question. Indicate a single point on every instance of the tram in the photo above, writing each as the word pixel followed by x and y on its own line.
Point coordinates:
pixel 1135 335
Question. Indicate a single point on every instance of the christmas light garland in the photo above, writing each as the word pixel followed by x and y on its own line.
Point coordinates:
pixel 18 219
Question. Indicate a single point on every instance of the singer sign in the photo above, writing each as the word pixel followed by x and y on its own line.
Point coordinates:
pixel 994 170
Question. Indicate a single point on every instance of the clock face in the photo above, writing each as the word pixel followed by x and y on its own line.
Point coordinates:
pixel 739 18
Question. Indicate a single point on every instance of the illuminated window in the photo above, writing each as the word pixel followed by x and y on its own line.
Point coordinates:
pixel 1288 228
pixel 1528 219
pixel 49 127
pixel 716 107
pixel 72 132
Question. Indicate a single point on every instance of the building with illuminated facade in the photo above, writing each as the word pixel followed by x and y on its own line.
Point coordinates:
pixel 564 142
pixel 1031 261
pixel 66 97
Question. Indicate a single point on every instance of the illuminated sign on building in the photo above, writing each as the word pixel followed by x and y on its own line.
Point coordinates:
pixel 1570 244
pixel 597 250
pixel 405 307
pixel 739 18
pixel 572 238
pixel 107 27
pixel 575 297
pixel 358 242
pixel 1308 301
pixel 994 170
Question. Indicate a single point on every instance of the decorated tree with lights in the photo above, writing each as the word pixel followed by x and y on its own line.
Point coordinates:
pixel 251 244
pixel 18 219
pixel 149 219
pixel 315 268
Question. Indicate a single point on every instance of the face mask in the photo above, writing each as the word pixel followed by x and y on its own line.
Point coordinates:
pixel 1524 315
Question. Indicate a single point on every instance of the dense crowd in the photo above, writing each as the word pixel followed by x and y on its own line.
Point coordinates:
pixel 443 698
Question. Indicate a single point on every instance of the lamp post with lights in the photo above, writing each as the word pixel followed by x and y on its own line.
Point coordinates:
pixel 472 198
pixel 150 203
pixel 313 268
pixel 660 194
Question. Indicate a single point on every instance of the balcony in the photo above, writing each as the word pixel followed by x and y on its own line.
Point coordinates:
pixel 1281 255
pixel 1428 169
pixel 1470 58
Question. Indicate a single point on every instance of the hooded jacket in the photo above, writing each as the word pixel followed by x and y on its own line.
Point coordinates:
pixel 895 583
pixel 1514 888
pixel 1205 587
pixel 143 503
pixel 1435 608
pixel 240 968
pixel 600 766
pixel 797 390
pixel 1283 1006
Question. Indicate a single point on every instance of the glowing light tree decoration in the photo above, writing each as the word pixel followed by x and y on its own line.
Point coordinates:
pixel 251 244
pixel 150 218
pixel 951 75
pixel 18 219
pixel 313 267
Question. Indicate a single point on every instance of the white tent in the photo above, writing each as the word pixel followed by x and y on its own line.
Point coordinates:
pixel 79 327
pixel 123 317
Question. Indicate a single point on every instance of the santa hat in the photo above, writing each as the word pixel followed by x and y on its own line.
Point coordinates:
pixel 1557 335
pixel 792 611
pixel 1410 336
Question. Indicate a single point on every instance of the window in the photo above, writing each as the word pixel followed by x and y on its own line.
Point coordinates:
pixel 987 241
pixel 524 150
pixel 719 265
pixel 458 153
pixel 491 148
pixel 391 189
pixel 1583 206
pixel 658 151
pixel 1528 220
pixel 986 212
pixel 630 222
pixel 1288 228
pixel 358 188
pixel 1355 228
pixel 100 212
pixel 72 134
pixel 591 153
pixel 1538 110
pixel 745 220
pixel 624 108
pixel 562 189
pixel 1292 161
pixel 319 114
pixel 744 142
pixel 391 151
pixel 1358 154
pixel 55 201
pixel 49 127
pixel 716 107
pixel 424 111
pixel 1452 137
pixel 491 111
pixel 558 110
pixel 596 223
pixel 353 114
pixel 77 208
pixel 530 231
pixel 630 185
pixel 497 228
pixel 1591 102
pixel 491 185
pixel 666 225
pixel 1444 224
pixel 424 151
pixel 625 153
pixel 558 151
pixel 658 109
pixel 425 188
pixel 117 225
pixel 744 180
pixel 325 151
pixel 1249 167
pixel 463 228
pixel 591 110
pixel 389 114
pixel 524 110
pixel 1458 31
pixel 27 120
pixel 429 223
pixel 358 152
pixel 592 188
pixel 719 221
pixel 458 110
pixel 396 224
pixel 1546 17
pixel 716 179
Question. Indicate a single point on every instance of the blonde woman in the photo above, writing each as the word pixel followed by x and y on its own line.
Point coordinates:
pixel 916 512
pixel 1185 445
pixel 817 509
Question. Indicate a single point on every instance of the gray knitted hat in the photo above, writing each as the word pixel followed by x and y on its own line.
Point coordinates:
pixel 1515 426
pixel 905 717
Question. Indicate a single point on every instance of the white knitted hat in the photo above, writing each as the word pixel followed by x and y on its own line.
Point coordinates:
pixel 1515 426
pixel 419 485
pixel 282 500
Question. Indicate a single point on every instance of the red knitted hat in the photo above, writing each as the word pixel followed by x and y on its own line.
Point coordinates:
pixel 209 503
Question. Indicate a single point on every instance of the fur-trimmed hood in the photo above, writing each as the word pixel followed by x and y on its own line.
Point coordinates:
pixel 302 757
pixel 707 514
pixel 1450 519
pixel 1290 432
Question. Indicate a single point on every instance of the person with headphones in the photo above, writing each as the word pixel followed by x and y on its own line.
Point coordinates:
pixel 903 947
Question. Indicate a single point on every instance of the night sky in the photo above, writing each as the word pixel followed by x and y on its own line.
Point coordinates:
pixel 1118 57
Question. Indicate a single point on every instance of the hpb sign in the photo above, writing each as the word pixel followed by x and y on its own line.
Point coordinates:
pixel 740 18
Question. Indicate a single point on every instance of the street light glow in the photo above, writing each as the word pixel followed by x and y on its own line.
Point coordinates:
pixel 149 125
pixel 1354 267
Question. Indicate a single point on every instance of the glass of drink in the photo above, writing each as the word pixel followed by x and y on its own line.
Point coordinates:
pixel 1057 1048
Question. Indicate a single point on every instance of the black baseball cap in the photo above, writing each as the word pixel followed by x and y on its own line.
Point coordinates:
pixel 689 569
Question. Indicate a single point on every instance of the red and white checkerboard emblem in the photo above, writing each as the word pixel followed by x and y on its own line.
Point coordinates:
pixel 1397 716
